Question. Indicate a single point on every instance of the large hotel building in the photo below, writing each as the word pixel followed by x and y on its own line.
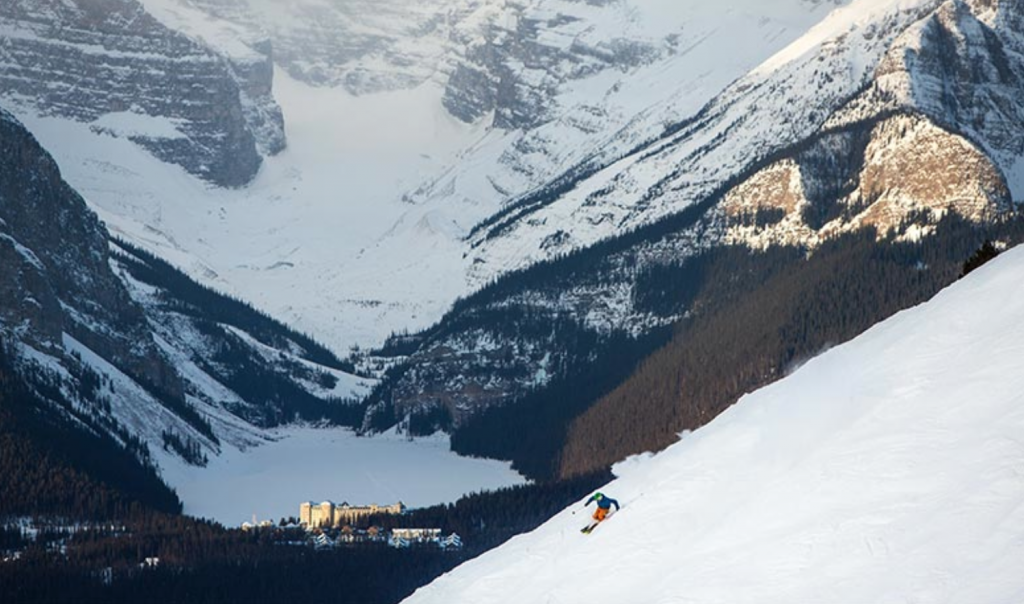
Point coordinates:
pixel 330 514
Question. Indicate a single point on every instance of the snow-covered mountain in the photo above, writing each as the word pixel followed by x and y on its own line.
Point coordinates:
pixel 954 62
pixel 112 335
pixel 887 469
pixel 895 178
pixel 436 146
pixel 874 122
pixel 408 124
pixel 511 181
pixel 363 46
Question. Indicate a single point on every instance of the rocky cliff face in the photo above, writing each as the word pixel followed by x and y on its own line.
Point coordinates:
pixel 897 176
pixel 55 271
pixel 515 64
pixel 254 74
pixel 112 65
pixel 963 67
pixel 363 46
pixel 944 114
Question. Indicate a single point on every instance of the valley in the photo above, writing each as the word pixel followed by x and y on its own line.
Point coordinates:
pixel 484 257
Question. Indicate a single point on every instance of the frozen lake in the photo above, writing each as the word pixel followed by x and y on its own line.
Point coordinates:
pixel 307 464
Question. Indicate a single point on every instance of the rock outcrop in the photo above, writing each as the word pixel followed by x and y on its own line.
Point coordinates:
pixel 110 64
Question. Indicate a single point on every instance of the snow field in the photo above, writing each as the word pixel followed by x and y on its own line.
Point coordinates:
pixel 321 239
pixel 889 469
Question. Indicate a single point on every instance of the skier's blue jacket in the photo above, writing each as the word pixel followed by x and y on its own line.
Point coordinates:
pixel 604 502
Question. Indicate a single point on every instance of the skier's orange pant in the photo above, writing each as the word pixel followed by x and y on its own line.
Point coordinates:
pixel 600 513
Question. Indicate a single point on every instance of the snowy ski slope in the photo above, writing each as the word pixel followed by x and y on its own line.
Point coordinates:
pixel 889 469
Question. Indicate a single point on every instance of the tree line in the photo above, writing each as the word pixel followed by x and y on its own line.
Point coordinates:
pixel 185 295
pixel 749 316
pixel 746 333
pixel 52 462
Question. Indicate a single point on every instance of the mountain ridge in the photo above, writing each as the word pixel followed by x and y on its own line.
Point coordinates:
pixel 133 353
pixel 884 163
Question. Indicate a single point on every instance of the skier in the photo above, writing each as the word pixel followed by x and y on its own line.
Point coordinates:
pixel 604 505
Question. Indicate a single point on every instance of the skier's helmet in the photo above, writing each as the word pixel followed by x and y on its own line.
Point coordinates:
pixel 598 496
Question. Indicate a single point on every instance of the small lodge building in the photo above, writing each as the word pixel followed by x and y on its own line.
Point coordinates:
pixel 407 537
pixel 416 534
pixel 322 541
pixel 452 541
